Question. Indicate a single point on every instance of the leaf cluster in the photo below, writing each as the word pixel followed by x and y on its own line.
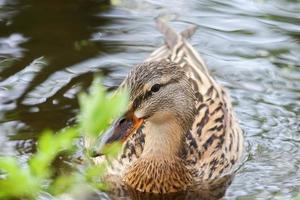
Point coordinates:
pixel 29 180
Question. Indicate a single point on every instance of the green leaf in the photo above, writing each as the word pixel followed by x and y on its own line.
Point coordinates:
pixel 112 150
pixel 49 146
pixel 17 181
pixel 64 183
pixel 93 175
pixel 98 108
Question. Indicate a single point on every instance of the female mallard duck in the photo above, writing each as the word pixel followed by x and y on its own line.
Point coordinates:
pixel 180 129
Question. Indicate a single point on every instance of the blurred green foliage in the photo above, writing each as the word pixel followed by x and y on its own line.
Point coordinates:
pixel 97 109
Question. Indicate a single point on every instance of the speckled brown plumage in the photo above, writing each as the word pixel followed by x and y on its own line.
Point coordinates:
pixel 161 175
pixel 210 143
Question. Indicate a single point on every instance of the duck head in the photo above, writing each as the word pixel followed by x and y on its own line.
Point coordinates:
pixel 160 97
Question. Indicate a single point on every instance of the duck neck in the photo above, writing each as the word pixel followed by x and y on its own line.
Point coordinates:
pixel 160 168
pixel 163 139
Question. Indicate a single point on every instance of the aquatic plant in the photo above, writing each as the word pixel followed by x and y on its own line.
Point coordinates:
pixel 36 177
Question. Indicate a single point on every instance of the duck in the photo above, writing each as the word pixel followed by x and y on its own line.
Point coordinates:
pixel 180 129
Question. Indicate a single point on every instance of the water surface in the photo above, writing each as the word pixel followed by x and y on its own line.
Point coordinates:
pixel 51 49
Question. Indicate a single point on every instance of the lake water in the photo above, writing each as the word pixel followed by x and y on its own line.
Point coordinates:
pixel 51 49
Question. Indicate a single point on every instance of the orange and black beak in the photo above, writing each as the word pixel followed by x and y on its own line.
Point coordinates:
pixel 120 130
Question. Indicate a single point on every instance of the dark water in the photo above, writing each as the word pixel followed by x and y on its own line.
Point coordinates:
pixel 50 50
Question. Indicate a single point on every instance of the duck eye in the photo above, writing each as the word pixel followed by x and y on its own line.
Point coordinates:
pixel 155 88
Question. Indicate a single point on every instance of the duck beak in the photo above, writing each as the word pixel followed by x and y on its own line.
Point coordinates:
pixel 120 130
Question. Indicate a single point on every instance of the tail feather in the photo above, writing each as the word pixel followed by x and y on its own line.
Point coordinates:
pixel 172 39
pixel 171 36
pixel 189 32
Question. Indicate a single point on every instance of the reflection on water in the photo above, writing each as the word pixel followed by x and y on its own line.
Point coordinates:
pixel 50 50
